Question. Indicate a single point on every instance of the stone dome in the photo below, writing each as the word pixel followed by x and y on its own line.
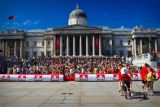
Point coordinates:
pixel 77 13
pixel 77 17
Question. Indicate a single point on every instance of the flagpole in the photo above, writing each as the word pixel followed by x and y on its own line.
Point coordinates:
pixel 14 25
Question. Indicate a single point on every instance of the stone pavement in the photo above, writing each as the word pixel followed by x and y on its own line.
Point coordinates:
pixel 71 94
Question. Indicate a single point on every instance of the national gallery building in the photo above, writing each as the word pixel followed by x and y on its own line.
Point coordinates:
pixel 79 39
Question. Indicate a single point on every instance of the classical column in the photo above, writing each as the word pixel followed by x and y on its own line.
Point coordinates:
pixel 156 45
pixel 141 48
pixel 67 46
pixel 80 46
pixel 45 48
pixel 149 44
pixel 132 47
pixel 21 49
pixel 74 47
pixel 100 48
pixel 86 45
pixel 0 44
pixel 93 46
pixel 60 45
pixel 3 48
pixel 15 48
pixel 6 49
pixel 54 45
pixel 135 50
pixel 110 42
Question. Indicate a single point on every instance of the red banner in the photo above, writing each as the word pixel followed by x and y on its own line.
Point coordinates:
pixel 58 42
pixel 97 42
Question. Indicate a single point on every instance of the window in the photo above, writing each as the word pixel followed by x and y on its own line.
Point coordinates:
pixel 35 53
pixel 42 53
pixel 35 43
pixel 48 53
pixel 27 44
pixel 121 42
pixel 42 43
pixel 129 42
pixel 27 54
pixel 129 53
pixel 108 53
pixel 49 43
pixel 113 43
pixel 121 52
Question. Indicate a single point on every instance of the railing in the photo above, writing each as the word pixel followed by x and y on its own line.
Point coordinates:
pixel 143 56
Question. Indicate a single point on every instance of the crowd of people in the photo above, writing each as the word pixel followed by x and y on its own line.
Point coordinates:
pixel 68 66
pixel 71 66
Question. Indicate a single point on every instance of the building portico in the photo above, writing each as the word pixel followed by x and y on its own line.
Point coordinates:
pixel 77 45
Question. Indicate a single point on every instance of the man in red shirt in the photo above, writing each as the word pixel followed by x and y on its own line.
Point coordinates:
pixel 144 72
pixel 126 83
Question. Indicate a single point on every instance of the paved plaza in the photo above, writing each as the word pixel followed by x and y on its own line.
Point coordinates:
pixel 71 94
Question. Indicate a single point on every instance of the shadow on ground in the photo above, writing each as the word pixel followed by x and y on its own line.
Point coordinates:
pixel 142 96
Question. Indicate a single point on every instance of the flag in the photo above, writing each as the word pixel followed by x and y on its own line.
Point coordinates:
pixel 11 17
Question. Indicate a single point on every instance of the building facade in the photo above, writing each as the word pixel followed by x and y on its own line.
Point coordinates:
pixel 79 39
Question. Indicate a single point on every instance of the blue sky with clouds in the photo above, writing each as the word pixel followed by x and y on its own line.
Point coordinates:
pixel 43 14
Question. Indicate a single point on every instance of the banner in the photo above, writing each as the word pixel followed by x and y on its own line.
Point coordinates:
pixel 100 77
pixel 109 77
pixel 115 77
pixel 46 78
pixel 5 77
pixel 97 42
pixel 58 42
pixel 29 77
pixel 14 78
pixel 103 77
pixel 55 77
pixel 38 77
pixel 83 77
pixel 22 77
pixel 92 77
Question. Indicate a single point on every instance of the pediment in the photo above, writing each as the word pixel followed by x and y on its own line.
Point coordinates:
pixel 78 27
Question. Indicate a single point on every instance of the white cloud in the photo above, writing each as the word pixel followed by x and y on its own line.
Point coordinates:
pixel 36 22
pixel 36 30
pixel 27 22
pixel 30 22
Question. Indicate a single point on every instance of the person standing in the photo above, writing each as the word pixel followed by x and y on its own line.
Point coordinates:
pixel 150 80
pixel 144 72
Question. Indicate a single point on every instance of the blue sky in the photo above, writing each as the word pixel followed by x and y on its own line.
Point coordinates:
pixel 43 14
